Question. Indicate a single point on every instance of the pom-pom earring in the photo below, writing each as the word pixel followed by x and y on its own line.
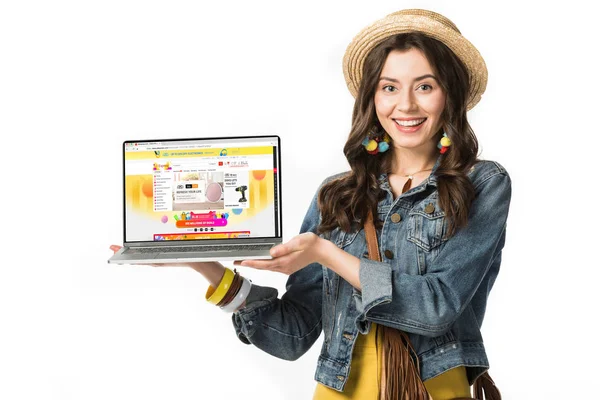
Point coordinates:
pixel 376 142
pixel 444 143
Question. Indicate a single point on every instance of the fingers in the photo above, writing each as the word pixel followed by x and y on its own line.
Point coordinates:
pixel 277 250
pixel 116 247
pixel 257 264
pixel 268 264
pixel 250 263
pixel 287 264
pixel 297 243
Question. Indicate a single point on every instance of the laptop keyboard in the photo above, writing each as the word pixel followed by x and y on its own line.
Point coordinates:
pixel 196 249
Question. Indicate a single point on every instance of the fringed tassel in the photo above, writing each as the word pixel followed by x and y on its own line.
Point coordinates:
pixel 485 388
pixel 401 379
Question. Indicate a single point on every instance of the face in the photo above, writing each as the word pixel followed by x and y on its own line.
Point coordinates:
pixel 407 93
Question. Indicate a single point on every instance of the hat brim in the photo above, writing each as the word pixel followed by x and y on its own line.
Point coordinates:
pixel 393 24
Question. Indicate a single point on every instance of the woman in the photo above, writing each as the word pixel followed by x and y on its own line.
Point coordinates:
pixel 439 214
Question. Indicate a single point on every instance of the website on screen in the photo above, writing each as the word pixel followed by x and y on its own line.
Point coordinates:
pixel 189 190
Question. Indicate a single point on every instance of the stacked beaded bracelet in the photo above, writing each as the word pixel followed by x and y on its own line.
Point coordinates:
pixel 231 291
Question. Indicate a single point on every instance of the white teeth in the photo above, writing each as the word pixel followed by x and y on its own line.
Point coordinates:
pixel 412 122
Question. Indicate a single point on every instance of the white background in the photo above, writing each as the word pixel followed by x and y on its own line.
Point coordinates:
pixel 77 78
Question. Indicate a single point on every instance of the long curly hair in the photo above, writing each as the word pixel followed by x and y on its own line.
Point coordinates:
pixel 344 202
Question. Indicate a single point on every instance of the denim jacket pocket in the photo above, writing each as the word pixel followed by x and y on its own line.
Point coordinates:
pixel 427 225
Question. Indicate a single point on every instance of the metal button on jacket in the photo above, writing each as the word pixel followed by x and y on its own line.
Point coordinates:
pixel 389 254
pixel 396 218
pixel 429 208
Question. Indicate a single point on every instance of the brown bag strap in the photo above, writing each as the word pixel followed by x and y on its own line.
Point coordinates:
pixel 371 235
pixel 400 377
pixel 398 345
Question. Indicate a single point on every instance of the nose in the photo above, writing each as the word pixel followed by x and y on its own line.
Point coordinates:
pixel 406 101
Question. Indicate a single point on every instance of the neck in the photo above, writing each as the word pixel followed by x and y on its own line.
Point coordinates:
pixel 409 161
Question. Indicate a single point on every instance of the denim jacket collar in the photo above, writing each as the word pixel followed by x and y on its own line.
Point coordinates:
pixel 431 180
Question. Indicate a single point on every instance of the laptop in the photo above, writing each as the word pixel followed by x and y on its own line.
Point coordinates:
pixel 204 199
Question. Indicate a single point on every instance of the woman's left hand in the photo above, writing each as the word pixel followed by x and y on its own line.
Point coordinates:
pixel 300 251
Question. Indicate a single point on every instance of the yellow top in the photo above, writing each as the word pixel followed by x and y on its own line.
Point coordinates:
pixel 365 375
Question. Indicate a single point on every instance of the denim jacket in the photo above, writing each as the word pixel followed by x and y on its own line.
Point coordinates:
pixel 433 288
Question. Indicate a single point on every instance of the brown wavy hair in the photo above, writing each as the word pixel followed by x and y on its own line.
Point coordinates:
pixel 344 202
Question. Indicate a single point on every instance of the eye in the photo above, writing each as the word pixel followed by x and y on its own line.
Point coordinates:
pixel 429 86
pixel 388 86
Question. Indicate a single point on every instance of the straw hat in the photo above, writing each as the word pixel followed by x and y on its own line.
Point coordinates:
pixel 427 22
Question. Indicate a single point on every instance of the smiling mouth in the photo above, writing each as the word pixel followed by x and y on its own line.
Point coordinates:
pixel 410 123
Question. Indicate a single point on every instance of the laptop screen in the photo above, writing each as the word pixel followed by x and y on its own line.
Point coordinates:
pixel 197 189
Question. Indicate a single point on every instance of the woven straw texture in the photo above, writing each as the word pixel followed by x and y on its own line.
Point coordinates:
pixel 429 23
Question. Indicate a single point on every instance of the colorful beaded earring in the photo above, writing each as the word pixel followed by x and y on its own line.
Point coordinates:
pixel 376 142
pixel 444 143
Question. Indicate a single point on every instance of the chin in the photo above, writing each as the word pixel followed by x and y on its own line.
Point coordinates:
pixel 407 142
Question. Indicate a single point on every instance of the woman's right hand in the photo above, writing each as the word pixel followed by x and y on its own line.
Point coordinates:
pixel 212 270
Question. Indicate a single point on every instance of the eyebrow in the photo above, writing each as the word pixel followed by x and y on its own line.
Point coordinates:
pixel 414 80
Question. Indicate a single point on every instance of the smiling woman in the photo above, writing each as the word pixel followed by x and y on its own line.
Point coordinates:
pixel 395 258
pixel 414 77
pixel 441 229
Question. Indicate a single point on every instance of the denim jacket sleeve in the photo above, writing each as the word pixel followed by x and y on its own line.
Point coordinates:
pixel 286 328
pixel 428 304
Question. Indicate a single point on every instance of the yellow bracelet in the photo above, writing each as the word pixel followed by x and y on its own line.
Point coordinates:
pixel 213 295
